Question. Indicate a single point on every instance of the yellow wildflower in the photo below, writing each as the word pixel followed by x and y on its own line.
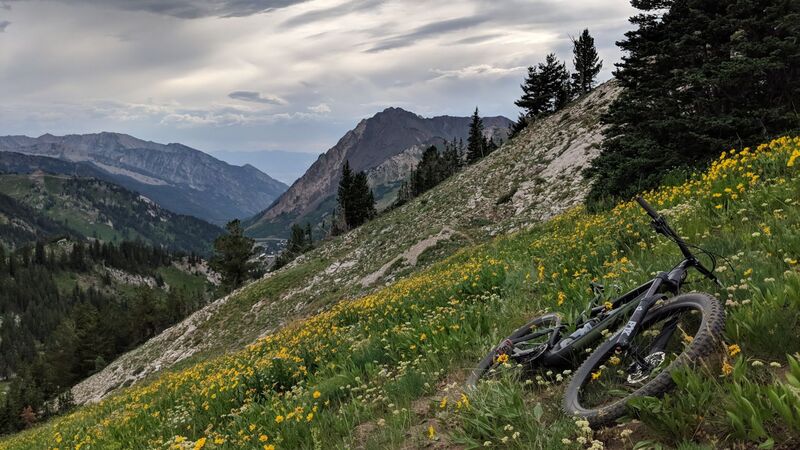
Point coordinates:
pixel 727 368
pixel 431 432
pixel 263 438
pixel 279 419
pixel 317 394
pixel 561 297
pixel 200 443
pixel 734 350
pixel 502 358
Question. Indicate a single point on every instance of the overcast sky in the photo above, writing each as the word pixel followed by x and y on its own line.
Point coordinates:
pixel 291 75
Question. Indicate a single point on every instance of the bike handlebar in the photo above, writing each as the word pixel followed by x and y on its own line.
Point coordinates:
pixel 661 226
pixel 646 206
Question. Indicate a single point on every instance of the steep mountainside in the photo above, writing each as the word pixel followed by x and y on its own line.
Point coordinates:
pixel 21 224
pixel 94 208
pixel 527 180
pixel 370 144
pixel 177 177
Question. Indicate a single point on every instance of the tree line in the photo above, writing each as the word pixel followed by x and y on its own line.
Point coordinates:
pixel 53 336
pixel 699 78
pixel 549 86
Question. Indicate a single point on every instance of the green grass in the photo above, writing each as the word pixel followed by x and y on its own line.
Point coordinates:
pixel 66 282
pixel 376 370
pixel 175 277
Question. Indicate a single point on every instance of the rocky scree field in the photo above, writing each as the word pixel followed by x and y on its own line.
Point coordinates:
pixel 532 178
pixel 384 370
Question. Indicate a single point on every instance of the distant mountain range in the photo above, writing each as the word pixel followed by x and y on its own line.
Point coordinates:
pixel 178 178
pixel 387 146
pixel 38 206
pixel 282 165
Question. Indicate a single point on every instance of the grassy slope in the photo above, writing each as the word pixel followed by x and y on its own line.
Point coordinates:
pixel 540 167
pixel 374 372
pixel 98 209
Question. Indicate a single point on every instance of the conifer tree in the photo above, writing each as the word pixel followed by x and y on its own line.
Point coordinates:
pixel 476 143
pixel 546 89
pixel 518 125
pixel 232 252
pixel 699 78
pixel 534 100
pixel 299 242
pixel 554 80
pixel 363 202
pixel 586 62
pixel 355 201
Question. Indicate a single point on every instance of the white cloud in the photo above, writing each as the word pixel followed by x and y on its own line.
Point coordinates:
pixel 322 108
pixel 257 97
pixel 480 70
pixel 183 71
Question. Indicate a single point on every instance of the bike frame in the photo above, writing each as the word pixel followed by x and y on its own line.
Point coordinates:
pixel 633 306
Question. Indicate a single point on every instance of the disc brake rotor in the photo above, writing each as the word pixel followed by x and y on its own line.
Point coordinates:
pixel 653 360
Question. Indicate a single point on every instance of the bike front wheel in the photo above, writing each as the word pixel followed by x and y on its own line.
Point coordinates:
pixel 681 331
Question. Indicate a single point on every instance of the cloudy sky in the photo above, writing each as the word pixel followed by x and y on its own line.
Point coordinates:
pixel 291 75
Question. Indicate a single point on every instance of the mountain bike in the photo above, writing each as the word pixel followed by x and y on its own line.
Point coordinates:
pixel 658 329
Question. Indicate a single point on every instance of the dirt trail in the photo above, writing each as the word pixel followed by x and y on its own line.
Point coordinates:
pixel 410 256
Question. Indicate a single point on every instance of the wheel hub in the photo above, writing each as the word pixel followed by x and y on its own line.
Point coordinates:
pixel 638 372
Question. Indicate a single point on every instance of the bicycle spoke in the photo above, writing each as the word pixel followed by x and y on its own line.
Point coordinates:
pixel 617 376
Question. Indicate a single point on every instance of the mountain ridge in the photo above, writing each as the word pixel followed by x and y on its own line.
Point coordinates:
pixel 180 178
pixel 94 208
pixel 369 144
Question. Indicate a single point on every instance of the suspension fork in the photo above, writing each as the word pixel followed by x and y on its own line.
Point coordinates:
pixel 634 324
pixel 664 336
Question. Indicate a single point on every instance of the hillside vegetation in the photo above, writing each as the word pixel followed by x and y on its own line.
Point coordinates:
pixel 533 177
pixel 68 308
pixel 384 370
pixel 98 209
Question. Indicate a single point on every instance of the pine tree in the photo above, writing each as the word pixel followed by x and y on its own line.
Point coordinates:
pixel 363 202
pixel 545 90
pixel 520 124
pixel 699 77
pixel 232 253
pixel 355 201
pixel 554 80
pixel 534 100
pixel 586 62
pixel 476 143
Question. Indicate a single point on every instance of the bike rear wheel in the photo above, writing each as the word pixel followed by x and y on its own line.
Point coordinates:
pixel 678 333
pixel 523 346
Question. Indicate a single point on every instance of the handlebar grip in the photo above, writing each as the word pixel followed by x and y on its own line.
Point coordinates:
pixel 646 206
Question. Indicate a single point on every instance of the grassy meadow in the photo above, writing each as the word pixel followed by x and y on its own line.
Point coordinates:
pixel 386 370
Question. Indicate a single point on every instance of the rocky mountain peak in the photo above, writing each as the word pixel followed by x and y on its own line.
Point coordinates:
pixel 373 142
